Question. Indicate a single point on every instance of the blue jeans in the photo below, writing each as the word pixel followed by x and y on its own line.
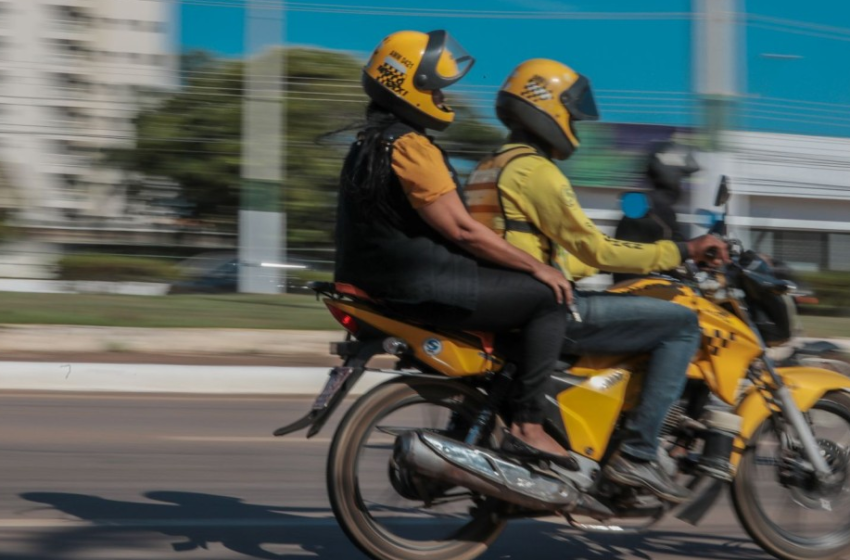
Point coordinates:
pixel 628 324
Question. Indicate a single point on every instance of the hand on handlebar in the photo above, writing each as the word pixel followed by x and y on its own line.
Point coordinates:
pixel 709 249
pixel 555 279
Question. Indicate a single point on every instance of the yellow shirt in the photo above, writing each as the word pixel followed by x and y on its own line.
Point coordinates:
pixel 421 169
pixel 533 189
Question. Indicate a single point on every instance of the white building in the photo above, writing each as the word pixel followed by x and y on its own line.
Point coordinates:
pixel 791 197
pixel 71 73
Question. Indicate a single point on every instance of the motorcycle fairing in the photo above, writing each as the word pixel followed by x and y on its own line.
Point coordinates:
pixel 728 344
pixel 590 408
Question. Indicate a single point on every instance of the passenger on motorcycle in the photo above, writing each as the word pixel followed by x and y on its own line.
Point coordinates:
pixel 520 193
pixel 404 235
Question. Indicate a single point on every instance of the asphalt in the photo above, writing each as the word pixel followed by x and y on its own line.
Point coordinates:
pixel 155 477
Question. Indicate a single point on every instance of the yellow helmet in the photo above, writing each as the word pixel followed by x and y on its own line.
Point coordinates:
pixel 545 98
pixel 406 70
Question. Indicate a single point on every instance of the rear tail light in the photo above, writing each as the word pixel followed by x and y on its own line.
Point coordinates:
pixel 347 321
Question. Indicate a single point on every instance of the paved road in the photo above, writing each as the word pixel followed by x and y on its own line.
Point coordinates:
pixel 150 477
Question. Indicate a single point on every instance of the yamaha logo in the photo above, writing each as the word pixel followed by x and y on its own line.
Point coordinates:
pixel 432 346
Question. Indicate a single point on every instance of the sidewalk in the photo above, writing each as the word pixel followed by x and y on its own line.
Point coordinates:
pixel 216 361
pixel 228 361
pixel 169 346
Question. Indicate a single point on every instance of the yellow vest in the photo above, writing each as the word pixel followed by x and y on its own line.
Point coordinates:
pixel 484 198
pixel 532 205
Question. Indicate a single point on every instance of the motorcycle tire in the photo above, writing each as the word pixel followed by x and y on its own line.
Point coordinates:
pixel 468 542
pixel 759 525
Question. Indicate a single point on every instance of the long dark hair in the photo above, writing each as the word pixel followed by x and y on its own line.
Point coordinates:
pixel 367 176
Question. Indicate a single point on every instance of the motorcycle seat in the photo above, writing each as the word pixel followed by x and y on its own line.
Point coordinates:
pixel 486 339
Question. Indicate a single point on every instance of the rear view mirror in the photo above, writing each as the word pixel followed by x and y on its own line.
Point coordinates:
pixel 722 192
pixel 707 218
pixel 635 205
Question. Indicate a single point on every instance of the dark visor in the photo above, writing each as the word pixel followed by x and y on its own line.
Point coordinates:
pixel 578 100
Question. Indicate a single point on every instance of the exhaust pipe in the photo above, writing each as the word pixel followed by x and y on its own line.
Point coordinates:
pixel 482 471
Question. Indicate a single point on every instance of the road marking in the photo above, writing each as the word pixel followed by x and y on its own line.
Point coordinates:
pixel 153 523
pixel 223 523
pixel 244 439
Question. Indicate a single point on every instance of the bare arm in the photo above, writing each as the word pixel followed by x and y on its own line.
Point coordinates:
pixel 448 216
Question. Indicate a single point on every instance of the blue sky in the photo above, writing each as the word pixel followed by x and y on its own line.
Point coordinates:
pixel 795 56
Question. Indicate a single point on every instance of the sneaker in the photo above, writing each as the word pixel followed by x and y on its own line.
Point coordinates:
pixel 647 475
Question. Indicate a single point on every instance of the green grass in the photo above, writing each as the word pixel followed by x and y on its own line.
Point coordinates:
pixel 826 327
pixel 244 311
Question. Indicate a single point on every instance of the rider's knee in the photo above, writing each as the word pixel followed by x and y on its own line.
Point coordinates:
pixel 687 323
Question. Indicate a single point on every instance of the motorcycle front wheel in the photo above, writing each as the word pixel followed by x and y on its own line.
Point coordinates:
pixel 795 520
pixel 378 505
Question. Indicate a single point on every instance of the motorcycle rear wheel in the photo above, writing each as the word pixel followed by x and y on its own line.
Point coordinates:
pixel 469 537
pixel 769 526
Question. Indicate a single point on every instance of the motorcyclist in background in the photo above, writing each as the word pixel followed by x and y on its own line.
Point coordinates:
pixel 404 235
pixel 669 165
pixel 520 193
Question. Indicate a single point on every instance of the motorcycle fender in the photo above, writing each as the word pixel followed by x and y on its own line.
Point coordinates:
pixel 806 384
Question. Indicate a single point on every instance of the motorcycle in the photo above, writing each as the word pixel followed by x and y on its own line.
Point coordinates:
pixel 415 469
pixel 775 314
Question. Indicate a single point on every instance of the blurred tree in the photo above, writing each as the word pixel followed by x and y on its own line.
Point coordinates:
pixel 194 138
pixel 9 201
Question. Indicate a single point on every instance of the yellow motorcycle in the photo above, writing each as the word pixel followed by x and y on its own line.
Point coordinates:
pixel 415 469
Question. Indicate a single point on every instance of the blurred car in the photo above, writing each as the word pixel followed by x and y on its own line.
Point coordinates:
pixel 218 272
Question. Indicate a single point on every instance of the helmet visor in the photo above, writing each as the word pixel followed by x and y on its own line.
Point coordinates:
pixel 578 100
pixel 444 62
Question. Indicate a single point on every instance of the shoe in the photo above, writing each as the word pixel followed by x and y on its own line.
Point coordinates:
pixel 515 447
pixel 648 475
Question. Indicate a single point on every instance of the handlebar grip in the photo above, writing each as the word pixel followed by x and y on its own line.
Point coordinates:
pixel 711 253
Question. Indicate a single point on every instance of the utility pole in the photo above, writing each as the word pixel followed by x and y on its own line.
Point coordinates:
pixel 718 49
pixel 262 223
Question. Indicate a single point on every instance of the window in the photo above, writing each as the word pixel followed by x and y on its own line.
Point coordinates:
pixel 801 250
pixel 839 251
pixel 69 18
pixel 69 49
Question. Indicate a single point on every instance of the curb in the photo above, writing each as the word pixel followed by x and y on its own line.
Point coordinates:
pixel 162 378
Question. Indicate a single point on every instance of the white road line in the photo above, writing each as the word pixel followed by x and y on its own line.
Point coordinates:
pixel 245 439
pixel 224 523
pixel 152 523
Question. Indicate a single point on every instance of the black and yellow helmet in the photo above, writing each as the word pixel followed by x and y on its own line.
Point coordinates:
pixel 406 70
pixel 545 98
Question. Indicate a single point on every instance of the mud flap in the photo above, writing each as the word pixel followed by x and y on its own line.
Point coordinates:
pixel 341 380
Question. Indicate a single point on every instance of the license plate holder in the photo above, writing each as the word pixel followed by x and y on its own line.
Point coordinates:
pixel 336 379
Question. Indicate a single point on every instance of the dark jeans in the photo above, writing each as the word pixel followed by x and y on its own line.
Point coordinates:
pixel 509 300
pixel 628 324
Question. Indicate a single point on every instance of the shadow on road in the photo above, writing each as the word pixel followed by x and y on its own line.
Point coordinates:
pixel 273 532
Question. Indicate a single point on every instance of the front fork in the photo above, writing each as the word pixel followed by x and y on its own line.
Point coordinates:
pixel 780 395
pixel 793 416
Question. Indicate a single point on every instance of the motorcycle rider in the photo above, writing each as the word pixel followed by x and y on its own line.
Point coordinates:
pixel 520 194
pixel 669 165
pixel 404 235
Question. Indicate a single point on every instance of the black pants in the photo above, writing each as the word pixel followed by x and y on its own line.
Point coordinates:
pixel 509 300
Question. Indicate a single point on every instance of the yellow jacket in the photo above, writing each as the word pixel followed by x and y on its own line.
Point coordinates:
pixel 534 190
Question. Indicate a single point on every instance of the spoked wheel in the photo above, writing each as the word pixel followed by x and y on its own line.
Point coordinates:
pixel 389 513
pixel 788 514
